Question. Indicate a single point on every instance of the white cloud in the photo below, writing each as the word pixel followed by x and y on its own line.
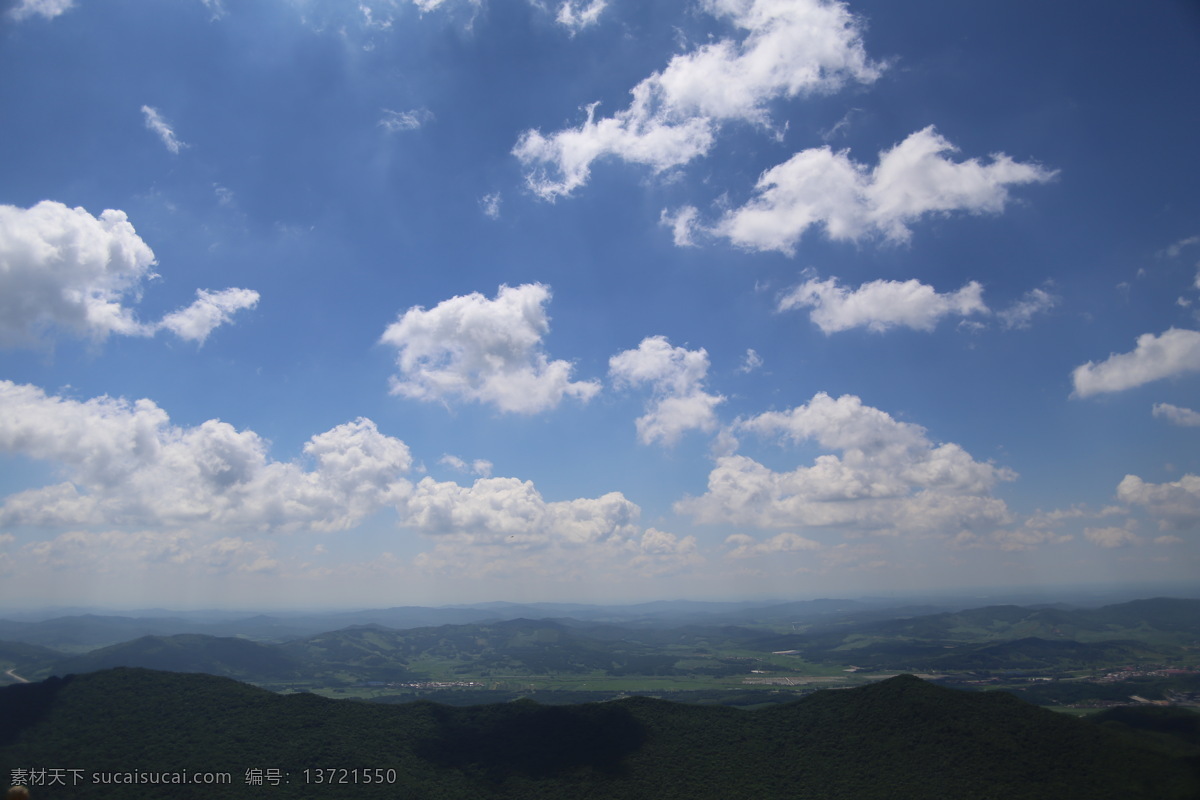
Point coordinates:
pixel 110 551
pixel 490 203
pixel 45 8
pixel 679 402
pixel 751 361
pixel 488 351
pixel 683 224
pixel 1022 312
pixel 396 121
pixel 479 466
pixel 790 47
pixel 912 180
pixel 503 526
pixel 577 16
pixel 1175 505
pixel 1184 417
pixel 159 125
pixel 208 312
pixel 63 270
pixel 1174 250
pixel 125 464
pixel 889 477
pixel 744 546
pixel 1111 537
pixel 1174 352
pixel 880 305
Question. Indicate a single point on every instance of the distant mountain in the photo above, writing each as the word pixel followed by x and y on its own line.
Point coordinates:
pixel 900 738
pixel 190 652
pixel 1002 637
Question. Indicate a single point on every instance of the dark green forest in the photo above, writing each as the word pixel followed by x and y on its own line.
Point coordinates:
pixel 898 738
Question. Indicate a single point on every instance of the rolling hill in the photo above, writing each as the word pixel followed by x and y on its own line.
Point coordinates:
pixel 900 738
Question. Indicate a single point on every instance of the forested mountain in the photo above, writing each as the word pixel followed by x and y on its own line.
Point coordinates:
pixel 900 738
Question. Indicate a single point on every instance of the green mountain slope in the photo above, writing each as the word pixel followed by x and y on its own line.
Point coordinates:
pixel 900 738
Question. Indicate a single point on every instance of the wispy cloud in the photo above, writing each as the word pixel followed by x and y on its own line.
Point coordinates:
pixel 396 121
pixel 156 123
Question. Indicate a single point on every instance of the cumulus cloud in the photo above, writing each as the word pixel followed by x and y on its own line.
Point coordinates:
pixel 488 351
pixel 577 16
pixel 676 375
pixel 880 305
pixel 503 526
pixel 210 311
pixel 1174 505
pixel 1174 352
pixel 44 8
pixel 126 464
pixel 396 121
pixel 156 123
pixel 889 477
pixel 788 48
pixel 1184 417
pixel 63 270
pixel 820 187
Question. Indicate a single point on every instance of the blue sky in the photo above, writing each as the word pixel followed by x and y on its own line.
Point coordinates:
pixel 432 301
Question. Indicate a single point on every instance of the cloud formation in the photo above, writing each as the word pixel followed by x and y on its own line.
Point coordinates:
pixel 44 8
pixel 888 478
pixel 504 527
pixel 880 305
pixel 676 375
pixel 1174 352
pixel 126 464
pixel 396 121
pixel 210 310
pixel 820 187
pixel 576 16
pixel 1175 504
pixel 64 271
pixel 486 351
pixel 789 47
pixel 156 123
pixel 1021 313
pixel 1183 417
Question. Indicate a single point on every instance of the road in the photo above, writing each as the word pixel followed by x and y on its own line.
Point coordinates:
pixel 15 676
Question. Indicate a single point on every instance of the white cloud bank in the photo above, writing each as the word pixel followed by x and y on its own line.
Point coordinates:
pixel 487 351
pixel 880 305
pixel 888 478
pixel 1174 352
pixel 790 47
pixel 397 121
pixel 1174 505
pixel 820 187
pixel 63 270
pixel 126 465
pixel 679 403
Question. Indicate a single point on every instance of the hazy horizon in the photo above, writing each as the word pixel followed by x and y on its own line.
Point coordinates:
pixel 423 302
